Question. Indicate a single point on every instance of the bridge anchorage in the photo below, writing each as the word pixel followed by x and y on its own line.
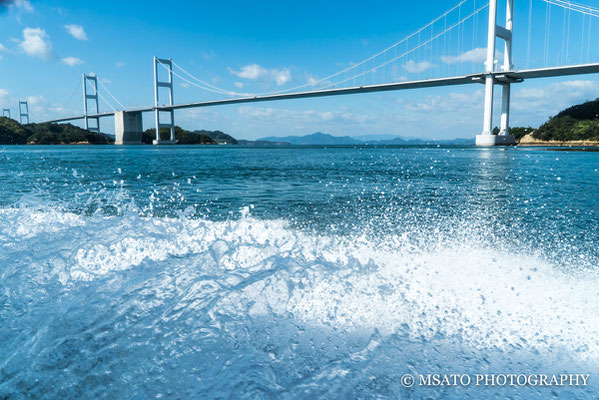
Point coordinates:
pixel 436 36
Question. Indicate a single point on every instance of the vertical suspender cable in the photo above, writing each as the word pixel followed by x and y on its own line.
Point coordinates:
pixel 564 38
pixel 589 41
pixel 568 40
pixel 474 20
pixel 582 38
pixel 548 34
pixel 529 34
pixel 545 32
pixel 431 46
pixel 445 39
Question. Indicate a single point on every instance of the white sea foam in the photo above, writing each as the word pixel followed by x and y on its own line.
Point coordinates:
pixel 221 277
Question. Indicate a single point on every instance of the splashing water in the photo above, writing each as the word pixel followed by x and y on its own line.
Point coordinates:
pixel 136 290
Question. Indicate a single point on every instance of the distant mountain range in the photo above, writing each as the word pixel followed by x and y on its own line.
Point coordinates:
pixel 320 138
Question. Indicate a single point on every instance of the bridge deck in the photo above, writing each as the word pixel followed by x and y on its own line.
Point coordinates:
pixel 426 83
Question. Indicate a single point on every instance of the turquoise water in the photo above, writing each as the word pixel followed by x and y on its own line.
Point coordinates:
pixel 300 272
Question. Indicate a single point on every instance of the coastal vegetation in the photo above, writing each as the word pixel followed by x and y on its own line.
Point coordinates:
pixel 580 122
pixel 182 136
pixel 12 132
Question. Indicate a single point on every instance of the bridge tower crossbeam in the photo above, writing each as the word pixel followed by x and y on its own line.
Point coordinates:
pixel 6 112
pixel 506 33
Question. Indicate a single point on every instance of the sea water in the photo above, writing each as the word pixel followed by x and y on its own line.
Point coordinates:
pixel 296 272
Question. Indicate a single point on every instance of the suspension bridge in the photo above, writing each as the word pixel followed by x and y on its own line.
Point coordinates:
pixel 447 51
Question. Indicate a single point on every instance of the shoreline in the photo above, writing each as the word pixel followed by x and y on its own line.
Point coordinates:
pixel 529 140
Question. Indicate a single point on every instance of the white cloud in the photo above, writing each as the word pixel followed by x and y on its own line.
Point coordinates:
pixel 252 72
pixel 24 5
pixel 71 61
pixel 415 67
pixel 2 48
pixel 281 76
pixel 76 31
pixel 274 115
pixel 238 85
pixel 120 64
pixel 36 43
pixel 185 85
pixel 208 56
pixel 478 55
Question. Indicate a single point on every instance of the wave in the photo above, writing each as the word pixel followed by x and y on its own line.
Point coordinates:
pixel 130 306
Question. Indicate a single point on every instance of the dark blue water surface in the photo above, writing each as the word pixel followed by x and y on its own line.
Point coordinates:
pixel 295 272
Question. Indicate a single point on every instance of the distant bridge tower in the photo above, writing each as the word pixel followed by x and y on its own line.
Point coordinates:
pixel 169 85
pixel 6 112
pixel 506 33
pixel 93 81
pixel 23 111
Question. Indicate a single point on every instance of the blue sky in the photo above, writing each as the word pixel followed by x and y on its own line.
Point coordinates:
pixel 257 47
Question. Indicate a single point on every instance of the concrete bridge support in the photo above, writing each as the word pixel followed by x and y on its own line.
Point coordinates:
pixel 486 138
pixel 128 127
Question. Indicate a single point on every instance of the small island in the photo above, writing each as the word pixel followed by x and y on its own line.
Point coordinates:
pixel 574 126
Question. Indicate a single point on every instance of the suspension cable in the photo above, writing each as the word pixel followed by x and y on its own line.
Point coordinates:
pixel 412 50
pixel 361 63
pixel 224 91
pixel 580 8
pixel 108 91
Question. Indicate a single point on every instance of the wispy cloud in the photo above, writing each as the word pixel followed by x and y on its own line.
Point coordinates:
pixel 71 61
pixel 251 72
pixel 120 64
pixel 416 67
pixel 209 55
pixel 270 114
pixel 478 55
pixel 36 43
pixel 22 5
pixel 255 72
pixel 76 31
pixel 281 76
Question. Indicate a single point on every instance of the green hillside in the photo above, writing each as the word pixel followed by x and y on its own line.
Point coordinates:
pixel 580 122
pixel 12 132
pixel 181 135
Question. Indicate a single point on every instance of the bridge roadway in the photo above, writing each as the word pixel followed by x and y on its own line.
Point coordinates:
pixel 508 77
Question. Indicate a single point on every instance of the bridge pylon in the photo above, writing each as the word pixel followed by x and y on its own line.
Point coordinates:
pixel 486 138
pixel 6 112
pixel 93 81
pixel 23 111
pixel 169 85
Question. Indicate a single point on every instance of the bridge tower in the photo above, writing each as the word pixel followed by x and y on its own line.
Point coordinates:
pixel 23 111
pixel 93 81
pixel 506 33
pixel 169 85
pixel 6 112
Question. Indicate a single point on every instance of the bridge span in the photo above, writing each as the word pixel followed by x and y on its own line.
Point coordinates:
pixel 128 122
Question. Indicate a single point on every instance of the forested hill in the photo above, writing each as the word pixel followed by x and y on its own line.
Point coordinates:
pixel 580 122
pixel 12 132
